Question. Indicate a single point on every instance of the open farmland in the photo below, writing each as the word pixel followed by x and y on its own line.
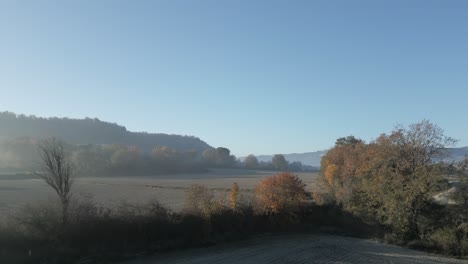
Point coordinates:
pixel 110 191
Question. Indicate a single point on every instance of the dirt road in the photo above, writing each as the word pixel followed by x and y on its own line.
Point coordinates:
pixel 299 249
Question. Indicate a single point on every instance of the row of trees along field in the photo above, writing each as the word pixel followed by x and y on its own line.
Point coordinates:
pixel 20 155
pixel 278 163
pixel 393 180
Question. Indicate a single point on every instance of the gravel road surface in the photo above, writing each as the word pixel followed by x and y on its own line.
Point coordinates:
pixel 299 249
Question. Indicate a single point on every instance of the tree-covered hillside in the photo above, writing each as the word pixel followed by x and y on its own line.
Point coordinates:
pixel 91 131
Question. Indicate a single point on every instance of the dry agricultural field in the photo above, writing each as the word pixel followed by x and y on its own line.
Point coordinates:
pixel 170 191
pixel 108 191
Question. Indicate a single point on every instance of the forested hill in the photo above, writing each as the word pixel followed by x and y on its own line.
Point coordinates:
pixel 91 131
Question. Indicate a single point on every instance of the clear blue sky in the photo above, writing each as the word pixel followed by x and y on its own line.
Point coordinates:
pixel 255 76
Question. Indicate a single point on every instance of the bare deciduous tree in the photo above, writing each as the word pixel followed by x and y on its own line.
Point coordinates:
pixel 57 172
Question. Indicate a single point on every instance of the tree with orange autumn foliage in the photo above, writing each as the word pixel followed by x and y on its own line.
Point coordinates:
pixel 233 196
pixel 403 175
pixel 340 167
pixel 391 179
pixel 282 192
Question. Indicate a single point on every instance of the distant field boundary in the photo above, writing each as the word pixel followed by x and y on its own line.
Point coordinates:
pixel 157 186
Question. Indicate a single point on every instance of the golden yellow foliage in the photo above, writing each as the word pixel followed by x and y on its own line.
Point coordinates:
pixel 330 172
pixel 233 195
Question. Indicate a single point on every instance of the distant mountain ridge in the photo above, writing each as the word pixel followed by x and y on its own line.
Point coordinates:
pixel 458 154
pixel 91 131
pixel 313 158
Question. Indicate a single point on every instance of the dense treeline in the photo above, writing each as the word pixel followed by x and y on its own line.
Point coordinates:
pixel 277 163
pixel 20 154
pixel 393 181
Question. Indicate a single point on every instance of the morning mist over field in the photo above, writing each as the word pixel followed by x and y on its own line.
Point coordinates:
pixel 233 131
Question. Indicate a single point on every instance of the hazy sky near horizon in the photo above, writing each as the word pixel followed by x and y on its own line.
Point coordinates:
pixel 257 77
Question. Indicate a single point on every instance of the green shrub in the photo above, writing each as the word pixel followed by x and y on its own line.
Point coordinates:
pixel 199 201
pixel 445 239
